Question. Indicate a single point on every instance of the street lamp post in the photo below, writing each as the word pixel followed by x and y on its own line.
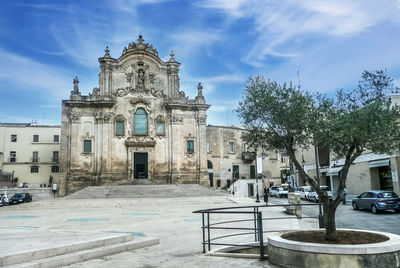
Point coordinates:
pixel 257 195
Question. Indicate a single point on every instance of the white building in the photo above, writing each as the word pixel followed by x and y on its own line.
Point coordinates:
pixel 30 153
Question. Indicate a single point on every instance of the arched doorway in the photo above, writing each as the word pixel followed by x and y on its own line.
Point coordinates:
pixel 210 173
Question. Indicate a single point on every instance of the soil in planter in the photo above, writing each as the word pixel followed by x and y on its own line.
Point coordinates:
pixel 343 237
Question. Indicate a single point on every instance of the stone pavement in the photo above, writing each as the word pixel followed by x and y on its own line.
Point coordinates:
pixel 167 216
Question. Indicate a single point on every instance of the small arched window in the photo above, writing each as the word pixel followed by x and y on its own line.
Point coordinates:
pixel 140 122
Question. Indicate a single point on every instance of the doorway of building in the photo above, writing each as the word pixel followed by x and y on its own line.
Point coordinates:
pixel 140 162
pixel 235 172
pixel 385 178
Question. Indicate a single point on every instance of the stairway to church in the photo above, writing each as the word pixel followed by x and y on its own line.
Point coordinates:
pixel 145 191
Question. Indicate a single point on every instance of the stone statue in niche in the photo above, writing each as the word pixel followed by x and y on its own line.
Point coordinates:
pixel 141 79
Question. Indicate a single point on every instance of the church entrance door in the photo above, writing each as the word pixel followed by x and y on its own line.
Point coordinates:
pixel 140 165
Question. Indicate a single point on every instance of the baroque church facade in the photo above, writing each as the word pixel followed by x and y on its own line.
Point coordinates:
pixel 137 125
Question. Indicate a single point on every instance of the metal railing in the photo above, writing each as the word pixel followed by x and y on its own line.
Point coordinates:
pixel 255 218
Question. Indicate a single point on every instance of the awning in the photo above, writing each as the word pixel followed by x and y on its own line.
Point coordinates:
pixel 379 163
pixel 334 171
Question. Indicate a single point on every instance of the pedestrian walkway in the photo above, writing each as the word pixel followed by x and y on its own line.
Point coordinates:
pixel 167 217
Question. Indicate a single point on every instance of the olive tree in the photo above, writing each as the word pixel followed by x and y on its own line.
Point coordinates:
pixel 287 118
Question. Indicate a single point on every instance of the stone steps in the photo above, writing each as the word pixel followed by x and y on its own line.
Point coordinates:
pixel 70 254
pixel 145 191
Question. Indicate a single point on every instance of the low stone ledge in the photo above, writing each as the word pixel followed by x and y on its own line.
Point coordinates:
pixel 290 253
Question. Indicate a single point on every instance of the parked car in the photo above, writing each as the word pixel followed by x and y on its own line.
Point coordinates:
pixel 304 191
pixel 20 198
pixel 313 196
pixel 377 200
pixel 278 191
pixel 4 200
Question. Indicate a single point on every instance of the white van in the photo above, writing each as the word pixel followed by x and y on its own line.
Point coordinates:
pixel 304 191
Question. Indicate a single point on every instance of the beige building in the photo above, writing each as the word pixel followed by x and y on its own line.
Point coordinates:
pixel 30 153
pixel 137 126
pixel 369 172
pixel 230 159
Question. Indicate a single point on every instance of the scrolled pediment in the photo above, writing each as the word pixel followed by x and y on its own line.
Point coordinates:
pixel 140 141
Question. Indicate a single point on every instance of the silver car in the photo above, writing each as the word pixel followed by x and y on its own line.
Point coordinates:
pixel 377 200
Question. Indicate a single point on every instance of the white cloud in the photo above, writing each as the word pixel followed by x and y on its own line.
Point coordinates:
pixel 280 23
pixel 187 40
pixel 212 82
pixel 29 75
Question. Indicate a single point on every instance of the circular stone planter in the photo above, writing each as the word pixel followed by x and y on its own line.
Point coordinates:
pixel 289 253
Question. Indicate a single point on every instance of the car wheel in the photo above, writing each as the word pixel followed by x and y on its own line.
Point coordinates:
pixel 355 206
pixel 397 210
pixel 374 209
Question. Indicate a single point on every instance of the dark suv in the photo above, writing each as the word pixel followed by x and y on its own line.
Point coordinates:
pixel 20 198
pixel 377 200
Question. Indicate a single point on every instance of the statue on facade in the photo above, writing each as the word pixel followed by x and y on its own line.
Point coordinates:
pixel 76 82
pixel 141 79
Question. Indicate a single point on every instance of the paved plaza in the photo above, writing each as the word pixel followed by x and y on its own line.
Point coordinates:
pixel 162 212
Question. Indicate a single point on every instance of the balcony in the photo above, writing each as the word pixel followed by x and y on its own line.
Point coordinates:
pixel 248 156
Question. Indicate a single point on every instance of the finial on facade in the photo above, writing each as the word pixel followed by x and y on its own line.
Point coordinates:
pixel 140 39
pixel 76 82
pixel 199 90
pixel 107 52
pixel 172 56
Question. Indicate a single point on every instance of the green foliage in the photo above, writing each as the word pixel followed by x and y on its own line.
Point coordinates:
pixel 276 115
pixel 284 117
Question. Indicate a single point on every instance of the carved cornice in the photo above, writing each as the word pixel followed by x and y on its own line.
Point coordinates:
pixel 140 141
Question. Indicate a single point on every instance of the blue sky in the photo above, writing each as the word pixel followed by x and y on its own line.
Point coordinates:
pixel 323 44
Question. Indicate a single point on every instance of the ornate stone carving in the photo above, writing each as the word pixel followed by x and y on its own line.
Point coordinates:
pixel 103 117
pixel 74 116
pixel 201 120
pixel 140 141
pixel 140 46
pixel 176 119
pixel 122 92
pixel 139 100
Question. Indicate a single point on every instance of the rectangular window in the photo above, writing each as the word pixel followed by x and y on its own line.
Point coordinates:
pixel 55 156
pixel 160 128
pixel 246 147
pixel 56 138
pixel 119 128
pixel 13 138
pixel 13 156
pixel 87 146
pixel 208 145
pixel 190 147
pixel 34 169
pixel 35 138
pixel 35 156
pixel 231 147
pixel 55 169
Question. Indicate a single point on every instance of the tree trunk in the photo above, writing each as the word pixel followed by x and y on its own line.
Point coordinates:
pixel 330 224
